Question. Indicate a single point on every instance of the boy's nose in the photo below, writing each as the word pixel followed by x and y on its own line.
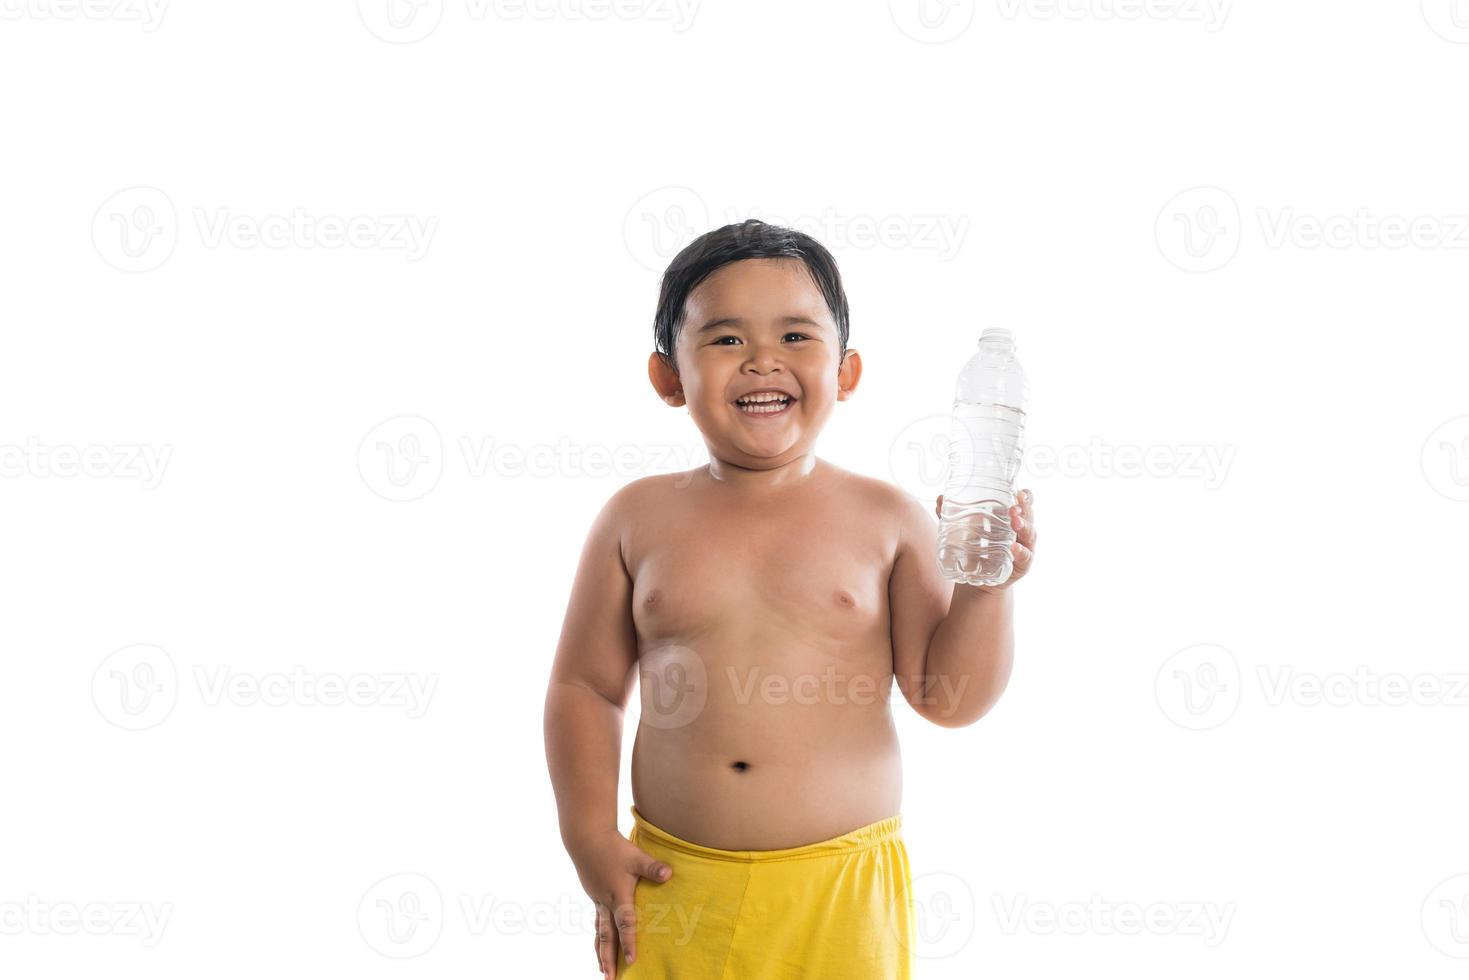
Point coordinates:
pixel 762 361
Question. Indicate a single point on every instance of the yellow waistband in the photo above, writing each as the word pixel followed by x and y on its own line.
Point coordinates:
pixel 853 840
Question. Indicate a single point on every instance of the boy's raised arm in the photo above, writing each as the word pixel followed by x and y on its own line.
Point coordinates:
pixel 953 644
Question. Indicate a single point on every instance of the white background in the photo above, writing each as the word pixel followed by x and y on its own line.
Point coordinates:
pixel 1164 748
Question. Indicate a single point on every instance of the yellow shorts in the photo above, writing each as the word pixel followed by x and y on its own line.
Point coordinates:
pixel 840 909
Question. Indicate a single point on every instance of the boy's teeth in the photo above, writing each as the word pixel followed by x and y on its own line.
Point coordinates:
pixel 763 405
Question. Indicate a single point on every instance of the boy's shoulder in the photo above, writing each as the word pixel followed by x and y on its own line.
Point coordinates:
pixel 643 493
pixel 876 496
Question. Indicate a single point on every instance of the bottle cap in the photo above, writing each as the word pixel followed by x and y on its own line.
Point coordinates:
pixel 1001 335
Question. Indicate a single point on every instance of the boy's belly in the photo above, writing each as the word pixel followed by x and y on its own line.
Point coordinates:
pixel 761 741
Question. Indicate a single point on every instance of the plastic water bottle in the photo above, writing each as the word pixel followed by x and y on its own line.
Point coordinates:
pixel 985 443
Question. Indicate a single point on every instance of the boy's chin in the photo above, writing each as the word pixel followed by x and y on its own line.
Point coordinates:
pixel 769 451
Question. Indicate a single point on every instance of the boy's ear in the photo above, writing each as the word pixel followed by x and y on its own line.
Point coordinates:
pixel 665 381
pixel 848 374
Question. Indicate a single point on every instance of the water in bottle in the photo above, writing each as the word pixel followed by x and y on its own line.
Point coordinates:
pixel 985 441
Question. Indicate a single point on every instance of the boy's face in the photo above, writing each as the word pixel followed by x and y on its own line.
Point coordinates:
pixel 758 324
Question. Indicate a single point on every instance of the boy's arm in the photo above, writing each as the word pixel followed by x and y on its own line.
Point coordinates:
pixel 953 644
pixel 591 680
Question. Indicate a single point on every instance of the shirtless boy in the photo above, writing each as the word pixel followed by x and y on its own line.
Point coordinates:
pixel 768 601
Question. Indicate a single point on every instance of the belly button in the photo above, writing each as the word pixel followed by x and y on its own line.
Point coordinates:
pixel 739 766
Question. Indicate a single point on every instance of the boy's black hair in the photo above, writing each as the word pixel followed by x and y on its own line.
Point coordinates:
pixel 751 239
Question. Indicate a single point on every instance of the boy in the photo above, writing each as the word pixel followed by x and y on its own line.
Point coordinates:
pixel 768 601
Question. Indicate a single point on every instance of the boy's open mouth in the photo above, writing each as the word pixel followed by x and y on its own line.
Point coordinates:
pixel 764 403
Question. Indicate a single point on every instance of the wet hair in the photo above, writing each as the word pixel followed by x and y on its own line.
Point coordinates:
pixel 751 239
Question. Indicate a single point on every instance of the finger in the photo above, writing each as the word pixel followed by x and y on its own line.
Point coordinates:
pixel 625 918
pixel 1024 528
pixel 1023 556
pixel 653 869
pixel 606 942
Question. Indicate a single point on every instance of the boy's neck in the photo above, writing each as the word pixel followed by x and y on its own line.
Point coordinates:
pixel 796 472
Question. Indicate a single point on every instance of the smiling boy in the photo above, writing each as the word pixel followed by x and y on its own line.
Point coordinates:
pixel 768 601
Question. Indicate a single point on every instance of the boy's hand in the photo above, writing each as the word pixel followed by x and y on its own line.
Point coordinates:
pixel 609 869
pixel 1022 519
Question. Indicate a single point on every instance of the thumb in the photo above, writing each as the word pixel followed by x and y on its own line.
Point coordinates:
pixel 652 869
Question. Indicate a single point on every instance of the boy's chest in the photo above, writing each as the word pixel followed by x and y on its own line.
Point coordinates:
pixel 815 579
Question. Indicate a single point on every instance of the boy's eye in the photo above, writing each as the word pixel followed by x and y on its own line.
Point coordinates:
pixel 793 333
